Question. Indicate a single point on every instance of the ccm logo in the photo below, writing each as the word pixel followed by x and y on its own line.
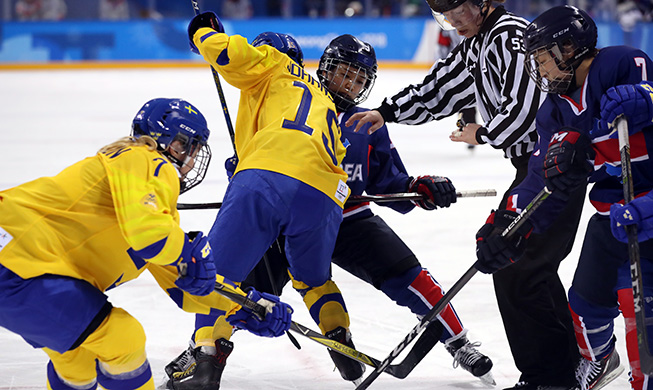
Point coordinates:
pixel 183 126
pixel 560 32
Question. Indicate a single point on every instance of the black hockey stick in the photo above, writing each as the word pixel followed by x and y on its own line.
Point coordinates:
pixel 218 85
pixel 645 357
pixel 406 366
pixel 343 349
pixel 382 198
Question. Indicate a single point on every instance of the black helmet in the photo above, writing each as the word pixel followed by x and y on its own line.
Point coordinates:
pixel 357 59
pixel 568 35
pixel 441 6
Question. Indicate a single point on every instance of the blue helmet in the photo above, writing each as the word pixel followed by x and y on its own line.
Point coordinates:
pixel 568 35
pixel 282 42
pixel 178 125
pixel 357 61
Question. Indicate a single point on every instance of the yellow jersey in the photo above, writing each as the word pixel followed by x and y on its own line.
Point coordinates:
pixel 105 220
pixel 287 121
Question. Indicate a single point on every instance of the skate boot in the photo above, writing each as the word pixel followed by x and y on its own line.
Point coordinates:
pixel 469 358
pixel 181 362
pixel 595 375
pixel 350 369
pixel 205 372
pixel 530 386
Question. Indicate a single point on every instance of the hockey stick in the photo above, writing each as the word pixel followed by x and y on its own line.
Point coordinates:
pixel 232 135
pixel 342 349
pixel 405 367
pixel 218 85
pixel 645 357
pixel 382 198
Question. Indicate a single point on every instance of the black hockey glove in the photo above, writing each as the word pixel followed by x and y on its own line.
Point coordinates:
pixel 438 191
pixel 207 19
pixel 566 165
pixel 495 252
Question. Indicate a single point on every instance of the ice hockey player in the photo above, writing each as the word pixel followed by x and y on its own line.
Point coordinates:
pixel 366 246
pixel 288 179
pixel 487 70
pixel 587 89
pixel 66 239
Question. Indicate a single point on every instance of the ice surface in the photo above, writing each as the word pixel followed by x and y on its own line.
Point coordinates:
pixel 51 119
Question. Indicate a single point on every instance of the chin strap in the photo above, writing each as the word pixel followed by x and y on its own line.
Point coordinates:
pixel 485 9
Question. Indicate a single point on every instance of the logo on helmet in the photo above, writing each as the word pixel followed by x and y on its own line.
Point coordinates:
pixel 559 33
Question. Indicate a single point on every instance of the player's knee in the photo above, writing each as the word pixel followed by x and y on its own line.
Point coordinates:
pixel 325 304
pixel 119 344
pixel 76 381
pixel 593 314
pixel 399 289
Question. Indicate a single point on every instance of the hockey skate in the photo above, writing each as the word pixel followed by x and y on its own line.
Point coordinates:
pixel 182 362
pixel 350 369
pixel 596 375
pixel 201 371
pixel 469 358
pixel 531 386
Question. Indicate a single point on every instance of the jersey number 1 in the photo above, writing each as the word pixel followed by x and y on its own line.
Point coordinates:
pixel 302 115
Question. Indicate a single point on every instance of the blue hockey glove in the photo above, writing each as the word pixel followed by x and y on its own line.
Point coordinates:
pixel 634 101
pixel 638 212
pixel 438 191
pixel 277 319
pixel 495 252
pixel 195 266
pixel 230 166
pixel 566 165
pixel 207 19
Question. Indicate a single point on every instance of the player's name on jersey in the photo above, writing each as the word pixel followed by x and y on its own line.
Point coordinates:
pixel 298 71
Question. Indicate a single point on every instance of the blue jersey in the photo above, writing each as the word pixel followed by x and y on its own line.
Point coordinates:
pixel 612 66
pixel 373 166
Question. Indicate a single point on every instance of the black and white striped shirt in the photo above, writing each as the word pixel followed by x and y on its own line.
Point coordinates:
pixel 486 70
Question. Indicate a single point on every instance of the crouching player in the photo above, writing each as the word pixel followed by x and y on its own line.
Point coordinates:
pixel 288 179
pixel 366 246
pixel 66 239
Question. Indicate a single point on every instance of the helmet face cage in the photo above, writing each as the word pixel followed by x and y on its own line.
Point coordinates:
pixel 540 61
pixel 564 34
pixel 348 70
pixel 200 164
pixel 177 126
pixel 349 83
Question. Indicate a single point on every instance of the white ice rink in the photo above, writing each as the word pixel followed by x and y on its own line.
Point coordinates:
pixel 51 119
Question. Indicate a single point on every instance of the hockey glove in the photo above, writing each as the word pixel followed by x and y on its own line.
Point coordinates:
pixel 495 252
pixel 230 166
pixel 207 19
pixel 277 318
pixel 634 101
pixel 437 191
pixel 638 212
pixel 195 266
pixel 566 165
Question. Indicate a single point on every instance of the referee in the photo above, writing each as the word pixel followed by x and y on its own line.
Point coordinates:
pixel 486 71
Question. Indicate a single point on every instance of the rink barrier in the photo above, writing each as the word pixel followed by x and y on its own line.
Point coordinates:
pixel 93 65
pixel 164 43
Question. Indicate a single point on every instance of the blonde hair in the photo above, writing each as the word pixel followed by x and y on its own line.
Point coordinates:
pixel 124 142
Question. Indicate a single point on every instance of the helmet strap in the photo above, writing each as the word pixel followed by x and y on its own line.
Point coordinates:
pixel 485 9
